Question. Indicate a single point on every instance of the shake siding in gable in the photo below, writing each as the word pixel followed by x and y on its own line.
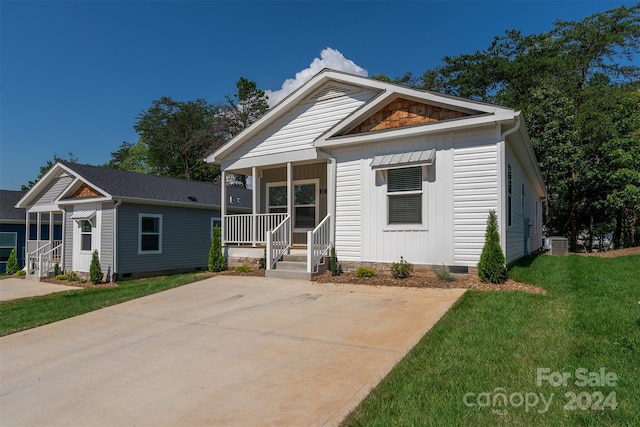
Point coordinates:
pixel 303 124
pixel 475 190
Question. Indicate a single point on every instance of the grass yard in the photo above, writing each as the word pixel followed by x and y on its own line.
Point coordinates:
pixel 490 345
pixel 27 313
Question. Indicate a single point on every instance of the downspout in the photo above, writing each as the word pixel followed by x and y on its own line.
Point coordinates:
pixel 114 272
pixel 503 166
pixel 332 184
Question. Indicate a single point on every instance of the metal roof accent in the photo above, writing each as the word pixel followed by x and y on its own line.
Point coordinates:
pixel 81 215
pixel 399 160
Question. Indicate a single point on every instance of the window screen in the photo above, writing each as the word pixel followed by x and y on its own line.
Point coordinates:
pixel 404 195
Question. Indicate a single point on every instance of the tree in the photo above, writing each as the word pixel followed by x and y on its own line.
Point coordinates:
pixel 177 136
pixel 44 169
pixel 492 267
pixel 217 261
pixel 131 157
pixel 12 263
pixel 95 271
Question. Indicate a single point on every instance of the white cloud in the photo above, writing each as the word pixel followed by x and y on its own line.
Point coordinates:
pixel 329 58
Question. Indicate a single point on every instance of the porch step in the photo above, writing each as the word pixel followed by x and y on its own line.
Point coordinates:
pixel 294 267
pixel 288 274
pixel 295 258
pixel 33 277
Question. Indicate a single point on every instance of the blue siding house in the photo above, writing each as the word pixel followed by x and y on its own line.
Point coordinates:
pixel 12 228
pixel 141 225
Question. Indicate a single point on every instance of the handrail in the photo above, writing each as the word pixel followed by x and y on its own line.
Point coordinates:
pixel 44 260
pixel 239 228
pixel 318 243
pixel 278 242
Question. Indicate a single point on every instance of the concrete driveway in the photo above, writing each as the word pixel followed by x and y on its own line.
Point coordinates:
pixel 13 288
pixel 225 351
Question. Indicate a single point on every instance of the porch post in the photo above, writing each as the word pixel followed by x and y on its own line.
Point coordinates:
pixel 331 197
pixel 51 228
pixel 223 206
pixel 27 237
pixel 39 226
pixel 290 196
pixel 254 208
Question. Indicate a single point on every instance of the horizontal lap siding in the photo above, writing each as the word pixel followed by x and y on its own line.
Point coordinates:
pixel 475 189
pixel 186 239
pixel 106 239
pixel 299 128
pixel 55 188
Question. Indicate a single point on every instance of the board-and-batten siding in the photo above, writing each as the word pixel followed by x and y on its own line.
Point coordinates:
pixel 475 190
pixel 298 129
pixel 349 215
pixel 49 194
pixel 186 239
pixel 106 238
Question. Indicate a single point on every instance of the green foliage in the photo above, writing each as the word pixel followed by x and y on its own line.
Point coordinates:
pixel 95 271
pixel 402 269
pixel 56 269
pixel 242 269
pixel 72 276
pixel 21 273
pixel 334 264
pixel 365 272
pixel 445 275
pixel 61 277
pixel 12 263
pixel 217 261
pixel 492 267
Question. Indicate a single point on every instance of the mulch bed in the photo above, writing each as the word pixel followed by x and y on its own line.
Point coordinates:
pixel 464 281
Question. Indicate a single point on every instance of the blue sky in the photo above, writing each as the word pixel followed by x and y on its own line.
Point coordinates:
pixel 75 74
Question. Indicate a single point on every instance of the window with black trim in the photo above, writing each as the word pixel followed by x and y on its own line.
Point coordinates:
pixel 150 233
pixel 404 196
pixel 86 231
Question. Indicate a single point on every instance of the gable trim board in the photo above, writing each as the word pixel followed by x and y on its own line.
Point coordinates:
pixel 186 207
pixel 463 156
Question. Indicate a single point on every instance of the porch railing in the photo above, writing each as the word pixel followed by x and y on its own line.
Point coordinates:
pixel 278 242
pixel 42 255
pixel 318 244
pixel 250 228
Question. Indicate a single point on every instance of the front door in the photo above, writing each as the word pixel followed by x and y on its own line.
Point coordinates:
pixel 86 237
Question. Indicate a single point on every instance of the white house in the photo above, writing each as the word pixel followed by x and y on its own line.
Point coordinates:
pixel 383 171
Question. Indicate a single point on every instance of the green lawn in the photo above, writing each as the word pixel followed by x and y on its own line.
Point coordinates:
pixel 26 313
pixel 491 344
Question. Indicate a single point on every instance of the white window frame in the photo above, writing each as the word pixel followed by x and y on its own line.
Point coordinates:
pixel 314 181
pixel 140 233
pixel 422 192
pixel 15 246
pixel 83 233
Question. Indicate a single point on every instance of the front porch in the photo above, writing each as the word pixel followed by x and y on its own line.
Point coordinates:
pixel 292 205
pixel 44 244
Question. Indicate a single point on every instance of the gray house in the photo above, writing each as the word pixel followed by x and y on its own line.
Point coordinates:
pixel 140 224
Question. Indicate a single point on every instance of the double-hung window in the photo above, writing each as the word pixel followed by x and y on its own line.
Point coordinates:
pixel 149 234
pixel 85 235
pixel 305 202
pixel 404 196
pixel 8 242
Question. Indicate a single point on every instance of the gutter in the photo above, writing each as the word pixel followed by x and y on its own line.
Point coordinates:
pixel 503 167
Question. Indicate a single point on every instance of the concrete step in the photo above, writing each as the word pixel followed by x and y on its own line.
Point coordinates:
pixel 288 274
pixel 291 265
pixel 33 277
pixel 295 258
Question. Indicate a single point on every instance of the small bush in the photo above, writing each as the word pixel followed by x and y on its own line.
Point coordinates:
pixel 56 269
pixel 95 271
pixel 334 265
pixel 72 276
pixel 242 269
pixel 492 267
pixel 12 263
pixel 61 277
pixel 445 275
pixel 402 269
pixel 21 272
pixel 365 272
pixel 217 261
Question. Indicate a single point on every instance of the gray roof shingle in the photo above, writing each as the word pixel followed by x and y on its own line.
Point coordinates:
pixel 8 211
pixel 120 183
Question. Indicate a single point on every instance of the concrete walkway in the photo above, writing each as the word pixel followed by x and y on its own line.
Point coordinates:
pixel 13 288
pixel 225 351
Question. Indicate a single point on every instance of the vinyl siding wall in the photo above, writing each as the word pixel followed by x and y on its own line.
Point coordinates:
pixel 458 191
pixel 186 239
pixel 106 238
pixel 303 124
pixel 49 194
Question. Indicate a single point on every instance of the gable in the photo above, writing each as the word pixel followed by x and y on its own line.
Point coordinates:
pixel 403 112
pixel 85 191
